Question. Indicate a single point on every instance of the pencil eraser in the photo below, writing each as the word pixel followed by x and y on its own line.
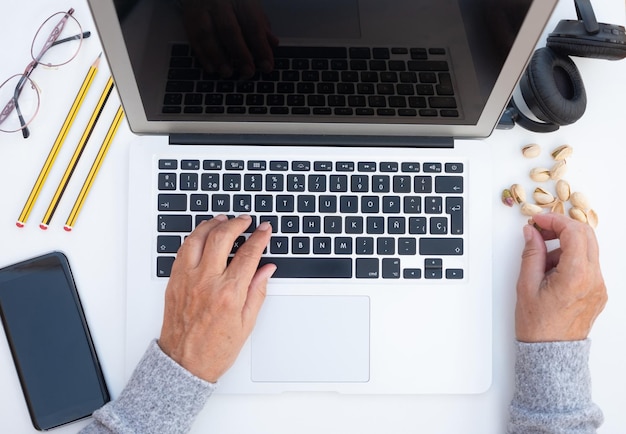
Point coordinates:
pixel 19 224
pixel 67 228
pixel 43 226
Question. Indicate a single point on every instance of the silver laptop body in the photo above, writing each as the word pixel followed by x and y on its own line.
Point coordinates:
pixel 378 307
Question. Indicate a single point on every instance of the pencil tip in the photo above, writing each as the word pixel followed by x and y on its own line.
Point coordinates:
pixel 97 61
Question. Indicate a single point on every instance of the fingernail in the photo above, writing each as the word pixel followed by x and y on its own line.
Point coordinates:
pixel 528 233
pixel 221 217
pixel 244 217
pixel 264 226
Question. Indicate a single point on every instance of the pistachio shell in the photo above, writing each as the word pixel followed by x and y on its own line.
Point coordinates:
pixel 562 152
pixel 592 218
pixel 542 197
pixel 531 151
pixel 539 174
pixel 578 214
pixel 518 193
pixel 579 200
pixel 507 198
pixel 558 170
pixel 530 209
pixel 563 190
pixel 558 207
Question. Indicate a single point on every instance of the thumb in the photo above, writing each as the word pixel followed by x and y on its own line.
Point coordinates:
pixel 534 256
pixel 256 294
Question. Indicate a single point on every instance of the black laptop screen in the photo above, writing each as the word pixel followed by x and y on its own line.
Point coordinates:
pixel 359 61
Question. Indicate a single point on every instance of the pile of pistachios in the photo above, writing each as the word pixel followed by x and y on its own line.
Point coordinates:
pixel 559 198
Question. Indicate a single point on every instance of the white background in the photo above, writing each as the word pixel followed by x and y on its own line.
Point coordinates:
pixel 96 247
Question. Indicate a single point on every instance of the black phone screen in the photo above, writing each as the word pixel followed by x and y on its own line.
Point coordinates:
pixel 50 341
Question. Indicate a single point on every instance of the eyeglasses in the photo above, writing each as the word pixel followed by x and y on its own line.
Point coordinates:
pixel 58 39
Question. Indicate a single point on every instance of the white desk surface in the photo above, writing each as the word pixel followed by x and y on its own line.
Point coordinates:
pixel 96 248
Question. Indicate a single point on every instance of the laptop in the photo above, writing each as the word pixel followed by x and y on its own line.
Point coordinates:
pixel 358 138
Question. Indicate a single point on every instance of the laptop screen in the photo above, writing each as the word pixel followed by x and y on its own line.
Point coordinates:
pixel 359 62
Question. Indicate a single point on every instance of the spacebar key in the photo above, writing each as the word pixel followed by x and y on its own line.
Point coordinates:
pixel 310 267
pixel 441 246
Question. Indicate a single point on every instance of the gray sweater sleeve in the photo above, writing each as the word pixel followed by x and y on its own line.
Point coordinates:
pixel 160 397
pixel 553 390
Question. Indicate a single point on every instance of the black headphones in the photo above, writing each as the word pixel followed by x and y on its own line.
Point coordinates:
pixel 552 87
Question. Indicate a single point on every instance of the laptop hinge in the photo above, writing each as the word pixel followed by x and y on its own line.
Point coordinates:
pixel 306 140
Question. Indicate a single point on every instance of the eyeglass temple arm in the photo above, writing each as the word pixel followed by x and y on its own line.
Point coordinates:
pixel 54 35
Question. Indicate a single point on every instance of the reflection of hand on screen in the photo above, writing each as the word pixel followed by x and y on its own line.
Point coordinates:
pixel 230 36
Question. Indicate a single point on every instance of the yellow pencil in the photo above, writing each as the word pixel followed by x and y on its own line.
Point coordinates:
pixel 56 147
pixel 95 167
pixel 77 154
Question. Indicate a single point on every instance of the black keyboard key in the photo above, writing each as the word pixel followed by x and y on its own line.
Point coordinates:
pixel 332 225
pixel 174 223
pixel 164 266
pixel 188 181
pixel 212 164
pixel 391 268
pixel 279 245
pixel 343 246
pixel 274 182
pixel 284 203
pixel 428 65
pixel 417 225
pixel 322 245
pixel 396 225
pixel 231 182
pixel 220 203
pixel 272 220
pixel 407 246
pixel 306 204
pixel 454 207
pixel 311 52
pixel 364 246
pixel 375 225
pixel 412 273
pixel 263 203
pixel 167 181
pixel 199 202
pixel 385 246
pixel 438 225
pixel 307 268
pixel 367 268
pixel 454 273
pixel 168 243
pixel 423 184
pixel 454 167
pixel 290 224
pixel 327 204
pixel 300 245
pixel 252 182
pixel 441 246
pixel 234 165
pixel 449 184
pixel 433 204
pixel 168 164
pixel 242 203
pixel 172 202
pixel 354 225
pixel 210 181
pixel 295 182
pixel 370 204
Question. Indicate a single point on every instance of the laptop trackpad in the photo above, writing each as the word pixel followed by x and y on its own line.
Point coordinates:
pixel 312 339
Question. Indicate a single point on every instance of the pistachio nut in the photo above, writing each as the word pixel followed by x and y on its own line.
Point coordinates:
pixel 592 218
pixel 539 174
pixel 578 214
pixel 518 193
pixel 507 198
pixel 558 207
pixel 531 151
pixel 562 152
pixel 579 200
pixel 563 190
pixel 558 170
pixel 542 196
pixel 530 209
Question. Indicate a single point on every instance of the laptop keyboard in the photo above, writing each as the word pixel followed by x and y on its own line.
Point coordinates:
pixel 330 219
pixel 321 82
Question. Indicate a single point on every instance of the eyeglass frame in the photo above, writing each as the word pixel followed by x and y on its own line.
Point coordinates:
pixel 51 41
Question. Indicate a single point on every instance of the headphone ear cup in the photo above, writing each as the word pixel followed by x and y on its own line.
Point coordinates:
pixel 553 88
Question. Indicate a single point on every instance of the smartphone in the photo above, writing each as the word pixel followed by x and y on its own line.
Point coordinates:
pixel 52 349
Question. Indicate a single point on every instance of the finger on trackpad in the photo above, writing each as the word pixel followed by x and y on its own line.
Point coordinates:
pixel 312 339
